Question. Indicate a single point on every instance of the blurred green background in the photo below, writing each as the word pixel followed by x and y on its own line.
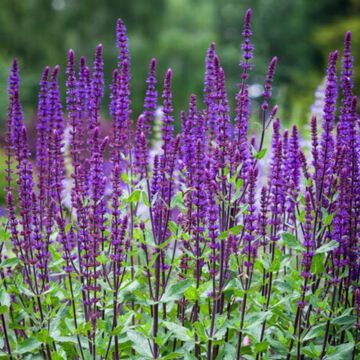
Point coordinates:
pixel 178 32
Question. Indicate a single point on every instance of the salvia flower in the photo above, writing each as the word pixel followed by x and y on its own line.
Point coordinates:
pixel 150 99
pixel 327 137
pixel 247 47
pixel 268 82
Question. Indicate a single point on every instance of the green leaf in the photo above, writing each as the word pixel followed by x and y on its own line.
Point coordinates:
pixel 125 178
pixel 66 339
pixel 134 197
pixel 27 346
pixel 239 184
pixel 314 332
pixel 145 199
pixel 4 298
pixel 141 344
pixel 180 332
pixel 261 346
pixel 164 244
pixel 10 262
pixel 341 352
pixel 44 337
pixel 236 196
pixel 191 294
pixel 177 201
pixel 173 355
pixel 328 219
pixel 229 352
pixel 173 227
pixel 347 320
pixel 260 154
pixel 289 240
pixel 234 230
pixel 331 245
pixel 176 291
pixel 317 264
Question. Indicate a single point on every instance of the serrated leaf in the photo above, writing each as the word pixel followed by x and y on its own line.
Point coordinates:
pixel 145 198
pixel 331 245
pixel 192 294
pixel 27 346
pixel 176 291
pixel 229 352
pixel 180 332
pixel 342 352
pixel 314 332
pixel 10 262
pixel 134 197
pixel 141 344
pixel 173 355
pixel 66 339
pixel 317 264
pixel 347 320
pixel 4 298
pixel 261 346
pixel 260 154
pixel 289 240
pixel 328 219
pixel 177 201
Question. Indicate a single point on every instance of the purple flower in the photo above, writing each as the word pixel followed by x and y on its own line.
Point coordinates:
pixel 347 88
pixel 293 168
pixel 42 145
pixel 122 43
pixel 150 99
pixel 276 182
pixel 167 119
pixel 247 47
pixel 250 247
pixel 210 89
pixel 327 139
pixel 308 242
pixel 141 148
pixel 268 82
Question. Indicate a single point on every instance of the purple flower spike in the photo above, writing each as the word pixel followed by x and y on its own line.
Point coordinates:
pixel 71 84
pixel 308 242
pixel 250 248
pixel 293 167
pixel 120 109
pixel 210 89
pixel 347 85
pixel 268 82
pixel 247 47
pixel 97 86
pixel 42 145
pixel 141 151
pixel 150 100
pixel 122 42
pixel 84 88
pixel 167 120
pixel 327 139
pixel 276 182
pixel 262 217
pixel 56 139
pixel 13 87
pixel 314 146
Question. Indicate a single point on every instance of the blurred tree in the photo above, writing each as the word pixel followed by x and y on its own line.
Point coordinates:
pixel 178 32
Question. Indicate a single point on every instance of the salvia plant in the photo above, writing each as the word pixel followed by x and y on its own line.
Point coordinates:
pixel 207 246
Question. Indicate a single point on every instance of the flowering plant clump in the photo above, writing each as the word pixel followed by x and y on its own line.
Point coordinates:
pixel 206 247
